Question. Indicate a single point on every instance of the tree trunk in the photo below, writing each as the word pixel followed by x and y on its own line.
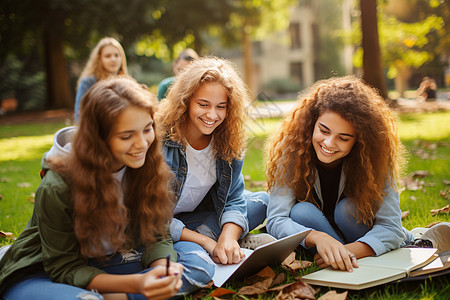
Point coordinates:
pixel 248 63
pixel 401 80
pixel 372 64
pixel 59 94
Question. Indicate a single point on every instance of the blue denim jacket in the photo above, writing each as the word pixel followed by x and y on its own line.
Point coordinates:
pixel 85 84
pixel 386 234
pixel 226 193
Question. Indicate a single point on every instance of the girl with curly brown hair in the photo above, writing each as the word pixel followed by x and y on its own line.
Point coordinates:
pixel 203 118
pixel 102 211
pixel 332 167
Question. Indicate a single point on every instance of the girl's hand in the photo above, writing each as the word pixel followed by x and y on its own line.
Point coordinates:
pixel 156 285
pixel 227 251
pixel 331 252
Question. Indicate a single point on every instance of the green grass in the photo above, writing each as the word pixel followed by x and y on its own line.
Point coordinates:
pixel 424 135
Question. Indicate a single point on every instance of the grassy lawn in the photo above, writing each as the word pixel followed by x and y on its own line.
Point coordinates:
pixel 426 137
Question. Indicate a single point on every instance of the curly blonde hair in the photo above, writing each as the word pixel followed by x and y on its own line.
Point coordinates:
pixel 94 67
pixel 229 137
pixel 377 155
pixel 98 213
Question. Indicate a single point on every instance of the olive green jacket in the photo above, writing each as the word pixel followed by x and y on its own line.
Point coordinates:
pixel 48 242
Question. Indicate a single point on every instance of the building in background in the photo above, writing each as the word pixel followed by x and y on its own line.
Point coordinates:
pixel 288 61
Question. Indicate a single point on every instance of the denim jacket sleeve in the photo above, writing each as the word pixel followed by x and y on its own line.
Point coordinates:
pixel 387 232
pixel 85 84
pixel 279 223
pixel 176 227
pixel 235 210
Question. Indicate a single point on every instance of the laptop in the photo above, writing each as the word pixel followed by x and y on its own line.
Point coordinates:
pixel 255 260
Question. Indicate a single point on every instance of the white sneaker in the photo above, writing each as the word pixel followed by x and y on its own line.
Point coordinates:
pixel 253 241
pixel 439 236
pixel 418 232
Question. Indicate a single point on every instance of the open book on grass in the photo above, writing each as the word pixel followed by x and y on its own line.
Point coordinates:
pixel 374 270
pixel 255 260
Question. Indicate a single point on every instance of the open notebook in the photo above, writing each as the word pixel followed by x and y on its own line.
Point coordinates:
pixel 255 260
pixel 373 270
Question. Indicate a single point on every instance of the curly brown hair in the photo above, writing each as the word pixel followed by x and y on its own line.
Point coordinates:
pixel 173 114
pixel 98 213
pixel 377 155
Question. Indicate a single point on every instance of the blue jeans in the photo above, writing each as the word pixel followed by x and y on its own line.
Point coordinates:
pixel 198 271
pixel 307 214
pixel 207 223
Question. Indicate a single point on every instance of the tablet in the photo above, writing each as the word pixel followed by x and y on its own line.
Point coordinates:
pixel 255 260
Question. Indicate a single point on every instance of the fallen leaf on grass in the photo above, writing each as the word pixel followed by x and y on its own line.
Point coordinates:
pixel 220 292
pixel 258 283
pixel 444 194
pixel 419 174
pixel 24 184
pixel 446 182
pixel 405 214
pixel 333 295
pixel 257 288
pixel 6 234
pixel 295 290
pixel 279 279
pixel 432 224
pixel 4 179
pixel 411 183
pixel 445 209
pixel 292 264
pixel 31 197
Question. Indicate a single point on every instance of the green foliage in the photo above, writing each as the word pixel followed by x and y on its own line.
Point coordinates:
pixel 403 42
pixel 17 82
pixel 255 18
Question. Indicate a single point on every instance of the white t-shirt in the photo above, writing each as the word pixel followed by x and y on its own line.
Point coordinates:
pixel 200 178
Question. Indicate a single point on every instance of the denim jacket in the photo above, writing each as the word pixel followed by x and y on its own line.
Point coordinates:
pixel 386 234
pixel 85 84
pixel 226 193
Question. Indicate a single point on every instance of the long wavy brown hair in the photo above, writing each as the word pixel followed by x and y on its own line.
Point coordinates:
pixel 98 214
pixel 94 67
pixel 376 157
pixel 229 137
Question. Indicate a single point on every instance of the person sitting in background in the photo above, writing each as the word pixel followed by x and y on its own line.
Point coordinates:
pixel 179 64
pixel 427 89
pixel 107 59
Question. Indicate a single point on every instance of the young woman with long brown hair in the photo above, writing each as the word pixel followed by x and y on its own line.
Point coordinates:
pixel 100 226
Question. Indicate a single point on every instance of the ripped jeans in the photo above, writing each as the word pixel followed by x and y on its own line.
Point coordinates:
pixel 198 271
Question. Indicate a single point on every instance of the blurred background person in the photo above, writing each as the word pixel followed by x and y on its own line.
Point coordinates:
pixel 179 64
pixel 427 89
pixel 107 59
